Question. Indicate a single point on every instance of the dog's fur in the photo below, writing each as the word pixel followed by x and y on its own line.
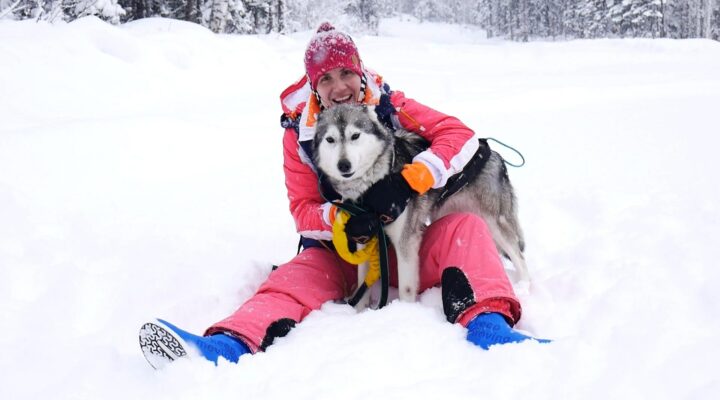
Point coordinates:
pixel 353 150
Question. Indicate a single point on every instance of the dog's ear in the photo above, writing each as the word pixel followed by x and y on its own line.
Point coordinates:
pixel 317 138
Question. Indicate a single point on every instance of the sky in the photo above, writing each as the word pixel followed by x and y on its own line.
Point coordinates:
pixel 141 177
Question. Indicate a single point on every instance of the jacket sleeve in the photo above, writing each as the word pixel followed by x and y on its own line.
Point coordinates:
pixel 307 206
pixel 452 144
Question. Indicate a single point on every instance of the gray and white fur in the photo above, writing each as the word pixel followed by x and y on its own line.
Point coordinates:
pixel 353 150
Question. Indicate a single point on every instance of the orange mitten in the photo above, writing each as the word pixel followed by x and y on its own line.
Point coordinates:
pixel 418 176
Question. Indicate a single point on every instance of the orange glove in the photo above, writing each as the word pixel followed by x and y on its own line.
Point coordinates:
pixel 418 176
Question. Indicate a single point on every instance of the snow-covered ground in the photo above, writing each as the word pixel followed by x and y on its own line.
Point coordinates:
pixel 140 176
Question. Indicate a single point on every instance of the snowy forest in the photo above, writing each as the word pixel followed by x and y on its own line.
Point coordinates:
pixel 519 20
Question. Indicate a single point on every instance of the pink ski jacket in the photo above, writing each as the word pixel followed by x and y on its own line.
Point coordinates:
pixel 452 145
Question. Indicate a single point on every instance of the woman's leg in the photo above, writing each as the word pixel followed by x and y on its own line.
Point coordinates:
pixel 458 253
pixel 290 293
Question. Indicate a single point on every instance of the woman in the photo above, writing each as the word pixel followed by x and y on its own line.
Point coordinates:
pixel 476 292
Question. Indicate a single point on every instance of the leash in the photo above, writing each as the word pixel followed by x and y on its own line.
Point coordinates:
pixel 511 148
pixel 384 266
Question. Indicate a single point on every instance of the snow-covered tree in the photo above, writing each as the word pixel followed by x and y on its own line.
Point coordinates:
pixel 716 19
pixel 219 15
pixel 366 12
pixel 109 10
pixel 591 19
pixel 8 8
pixel 646 18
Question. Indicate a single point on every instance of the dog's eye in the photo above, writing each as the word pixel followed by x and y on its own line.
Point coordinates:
pixel 329 140
pixel 355 136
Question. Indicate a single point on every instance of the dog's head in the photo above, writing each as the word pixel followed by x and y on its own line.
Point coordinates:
pixel 349 141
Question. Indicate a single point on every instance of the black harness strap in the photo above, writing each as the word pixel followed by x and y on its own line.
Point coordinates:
pixel 473 168
pixel 385 110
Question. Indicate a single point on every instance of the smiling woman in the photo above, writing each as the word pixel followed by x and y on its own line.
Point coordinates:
pixel 339 86
pixel 334 67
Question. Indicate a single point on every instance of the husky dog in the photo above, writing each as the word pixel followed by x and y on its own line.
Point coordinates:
pixel 353 150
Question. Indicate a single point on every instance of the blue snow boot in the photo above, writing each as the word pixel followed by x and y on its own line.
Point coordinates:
pixel 162 343
pixel 490 329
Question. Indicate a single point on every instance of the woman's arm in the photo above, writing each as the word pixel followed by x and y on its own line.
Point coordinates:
pixel 452 144
pixel 307 206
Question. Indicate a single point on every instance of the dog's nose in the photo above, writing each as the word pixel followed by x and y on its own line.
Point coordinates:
pixel 344 166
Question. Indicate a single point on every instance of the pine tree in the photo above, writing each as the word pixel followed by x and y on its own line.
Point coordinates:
pixel 427 10
pixel 367 12
pixel 594 18
pixel 109 10
pixel 645 18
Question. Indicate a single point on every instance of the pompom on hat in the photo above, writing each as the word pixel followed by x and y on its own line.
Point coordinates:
pixel 330 49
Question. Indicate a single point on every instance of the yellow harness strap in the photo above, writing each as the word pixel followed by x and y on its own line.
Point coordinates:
pixel 369 253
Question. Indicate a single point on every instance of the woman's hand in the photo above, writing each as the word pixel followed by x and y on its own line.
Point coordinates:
pixel 387 198
pixel 362 227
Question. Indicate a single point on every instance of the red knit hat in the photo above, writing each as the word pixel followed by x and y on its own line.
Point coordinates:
pixel 330 49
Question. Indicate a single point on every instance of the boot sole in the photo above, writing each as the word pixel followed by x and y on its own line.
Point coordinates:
pixel 159 345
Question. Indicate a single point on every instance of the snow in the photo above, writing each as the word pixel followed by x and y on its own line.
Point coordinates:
pixel 140 177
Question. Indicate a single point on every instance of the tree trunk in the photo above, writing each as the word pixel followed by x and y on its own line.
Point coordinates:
pixel 709 6
pixel 218 16
pixel 280 15
pixel 190 8
pixel 662 19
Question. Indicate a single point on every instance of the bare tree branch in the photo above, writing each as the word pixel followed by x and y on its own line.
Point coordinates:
pixel 10 9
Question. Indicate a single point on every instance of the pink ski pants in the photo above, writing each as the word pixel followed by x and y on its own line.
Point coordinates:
pixel 457 251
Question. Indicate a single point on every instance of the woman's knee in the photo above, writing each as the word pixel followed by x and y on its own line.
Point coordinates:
pixel 312 276
pixel 461 223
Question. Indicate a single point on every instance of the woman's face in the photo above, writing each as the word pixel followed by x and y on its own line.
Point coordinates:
pixel 338 86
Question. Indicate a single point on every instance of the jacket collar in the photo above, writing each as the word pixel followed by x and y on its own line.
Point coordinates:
pixel 298 98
